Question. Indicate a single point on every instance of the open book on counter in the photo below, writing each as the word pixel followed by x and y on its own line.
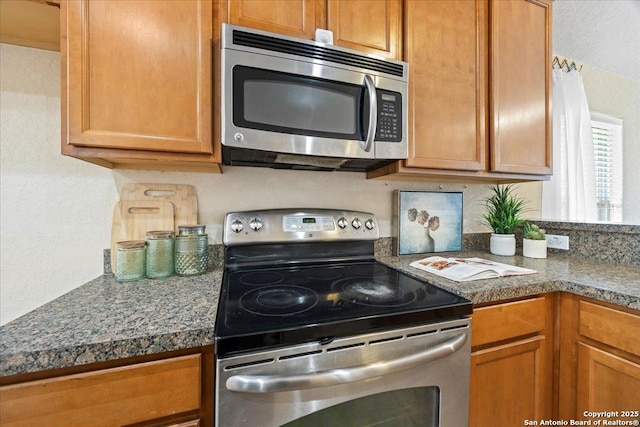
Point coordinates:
pixel 467 269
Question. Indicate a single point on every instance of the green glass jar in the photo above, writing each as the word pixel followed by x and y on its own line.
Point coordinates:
pixel 191 251
pixel 130 260
pixel 160 248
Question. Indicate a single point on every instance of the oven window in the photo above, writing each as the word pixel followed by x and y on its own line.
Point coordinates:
pixel 417 407
pixel 289 103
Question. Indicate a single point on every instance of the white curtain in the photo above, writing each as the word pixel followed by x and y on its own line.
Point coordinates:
pixel 570 194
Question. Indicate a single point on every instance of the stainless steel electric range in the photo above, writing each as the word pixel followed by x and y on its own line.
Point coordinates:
pixel 312 330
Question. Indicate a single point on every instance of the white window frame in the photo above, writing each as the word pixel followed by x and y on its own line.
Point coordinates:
pixel 608 165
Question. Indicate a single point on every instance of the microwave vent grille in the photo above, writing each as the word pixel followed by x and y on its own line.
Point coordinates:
pixel 291 47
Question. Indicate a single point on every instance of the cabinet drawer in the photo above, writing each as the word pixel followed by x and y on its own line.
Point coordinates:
pixel 109 397
pixel 509 320
pixel 194 423
pixel 615 328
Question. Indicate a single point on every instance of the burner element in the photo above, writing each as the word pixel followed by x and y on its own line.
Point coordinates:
pixel 279 300
pixel 368 269
pixel 376 291
pixel 261 278
pixel 373 290
pixel 324 274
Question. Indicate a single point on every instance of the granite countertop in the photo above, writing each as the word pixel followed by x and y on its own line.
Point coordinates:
pixel 611 282
pixel 106 320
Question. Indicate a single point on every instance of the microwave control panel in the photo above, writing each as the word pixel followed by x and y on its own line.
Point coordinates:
pixel 389 116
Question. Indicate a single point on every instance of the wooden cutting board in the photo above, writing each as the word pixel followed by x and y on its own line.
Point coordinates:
pixel 182 196
pixel 133 218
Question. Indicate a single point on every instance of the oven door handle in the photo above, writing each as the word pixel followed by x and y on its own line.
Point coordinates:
pixel 277 383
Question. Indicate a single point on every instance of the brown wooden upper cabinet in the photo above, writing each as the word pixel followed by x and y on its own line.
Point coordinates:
pixel 140 87
pixel 373 26
pixel 520 100
pixel 137 83
pixel 479 90
pixel 30 23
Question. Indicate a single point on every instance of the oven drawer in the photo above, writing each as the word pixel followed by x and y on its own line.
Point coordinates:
pixel 507 321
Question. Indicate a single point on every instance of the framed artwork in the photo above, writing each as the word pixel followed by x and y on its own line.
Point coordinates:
pixel 427 221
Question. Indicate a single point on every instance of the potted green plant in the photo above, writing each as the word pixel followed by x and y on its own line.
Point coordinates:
pixel 503 210
pixel 534 244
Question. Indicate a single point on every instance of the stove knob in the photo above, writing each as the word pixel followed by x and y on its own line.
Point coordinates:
pixel 236 226
pixel 342 223
pixel 369 224
pixel 356 223
pixel 255 224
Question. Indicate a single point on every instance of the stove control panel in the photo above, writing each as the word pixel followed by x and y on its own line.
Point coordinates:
pixel 295 223
pixel 298 225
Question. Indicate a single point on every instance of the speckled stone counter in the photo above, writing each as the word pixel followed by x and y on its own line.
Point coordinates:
pixel 610 282
pixel 106 320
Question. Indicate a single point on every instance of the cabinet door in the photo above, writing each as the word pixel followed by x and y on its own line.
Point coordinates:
pixel 138 74
pixel 445 46
pixel 373 26
pixel 295 18
pixel 509 384
pixel 606 382
pixel 520 86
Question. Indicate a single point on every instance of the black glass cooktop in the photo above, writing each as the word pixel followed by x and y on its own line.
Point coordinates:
pixel 264 307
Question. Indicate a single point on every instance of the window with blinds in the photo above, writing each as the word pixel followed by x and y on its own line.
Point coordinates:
pixel 607 142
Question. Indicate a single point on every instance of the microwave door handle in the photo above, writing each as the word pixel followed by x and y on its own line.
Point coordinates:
pixel 277 383
pixel 373 113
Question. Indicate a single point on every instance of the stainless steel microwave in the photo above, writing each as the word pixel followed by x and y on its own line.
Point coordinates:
pixel 297 104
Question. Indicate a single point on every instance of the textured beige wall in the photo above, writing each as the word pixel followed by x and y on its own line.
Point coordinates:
pixel 56 211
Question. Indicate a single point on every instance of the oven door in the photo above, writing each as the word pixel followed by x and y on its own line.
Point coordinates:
pixel 417 376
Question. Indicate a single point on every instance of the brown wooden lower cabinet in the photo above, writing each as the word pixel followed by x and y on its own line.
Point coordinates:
pixel 511 362
pixel 599 359
pixel 175 391
pixel 553 357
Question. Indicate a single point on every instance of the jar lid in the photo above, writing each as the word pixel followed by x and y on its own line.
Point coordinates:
pixel 131 244
pixel 191 229
pixel 160 234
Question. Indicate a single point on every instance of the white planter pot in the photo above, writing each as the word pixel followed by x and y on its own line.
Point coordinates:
pixel 534 248
pixel 502 244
